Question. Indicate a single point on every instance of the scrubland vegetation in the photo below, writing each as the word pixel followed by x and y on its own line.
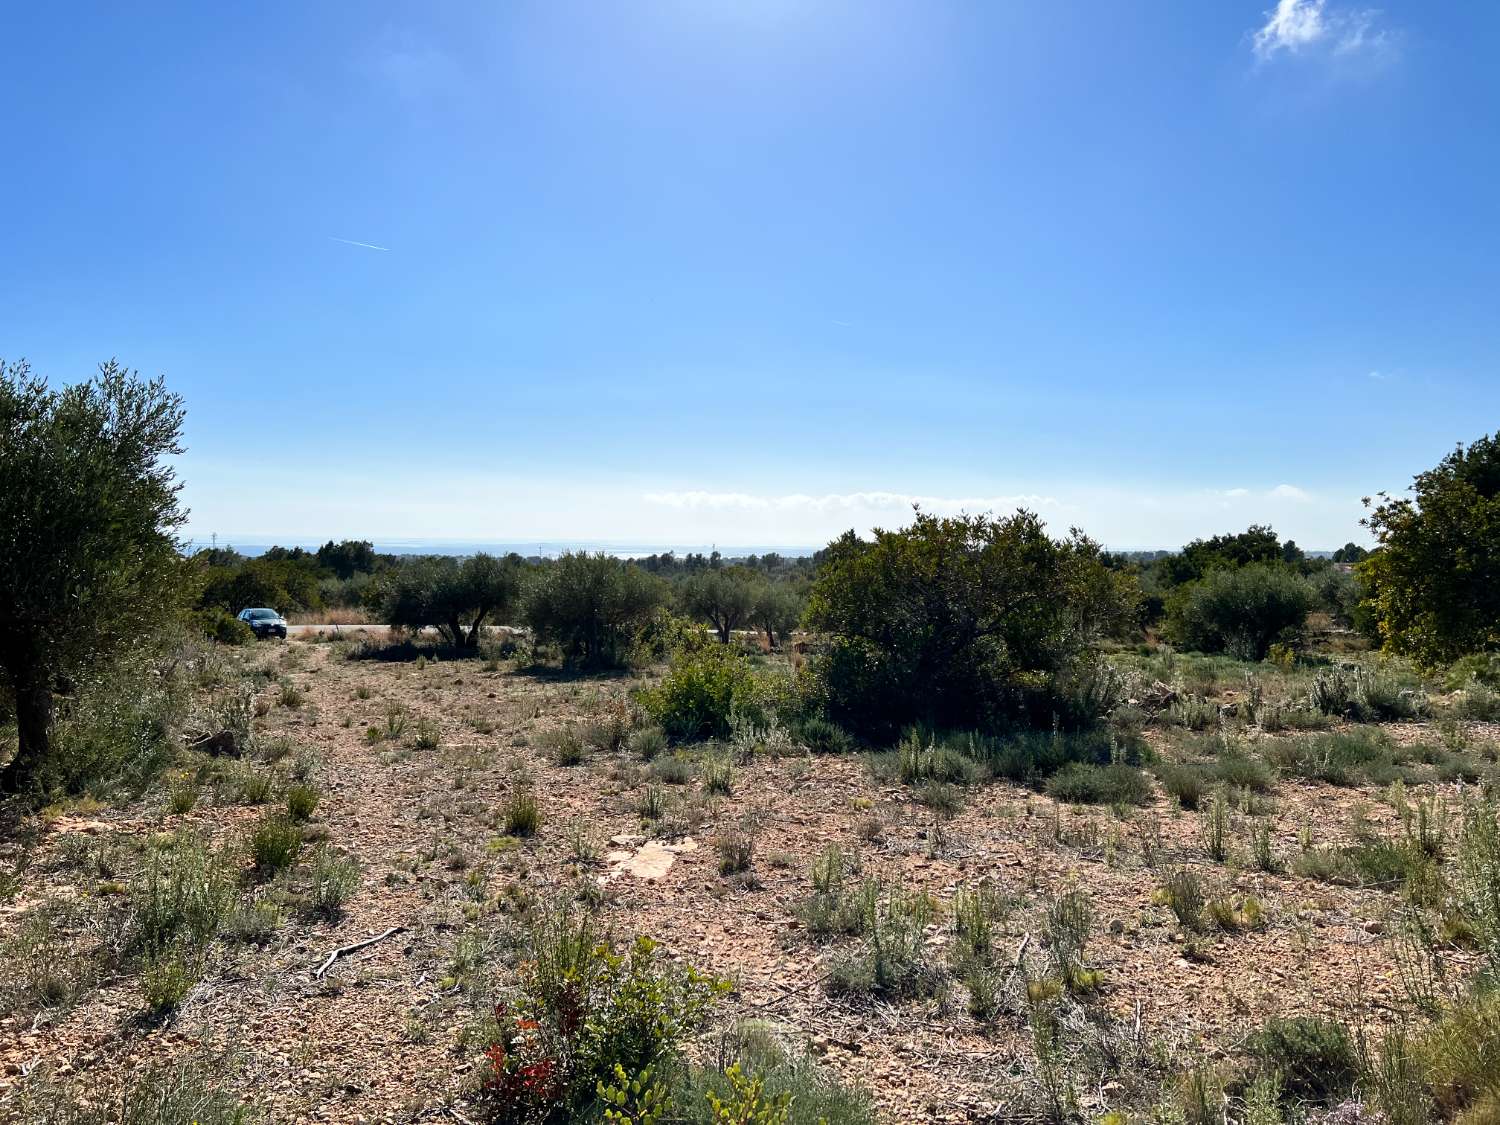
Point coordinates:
pixel 959 822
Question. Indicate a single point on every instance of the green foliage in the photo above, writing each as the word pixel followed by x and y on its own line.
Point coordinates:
pixel 302 801
pixel 333 879
pixel 580 1011
pixel 1459 1058
pixel 1316 1058
pixel 455 597
pixel 723 596
pixel 703 690
pixel 590 606
pixel 274 844
pixel 222 626
pixel 964 622
pixel 647 743
pixel 638 1099
pixel 1114 784
pixel 747 1103
pixel 1183 893
pixel 1240 611
pixel 1433 582
pixel 822 736
pixel 183 892
pixel 777 609
pixel 1339 758
pixel 522 815
pixel 1184 781
pixel 1477 881
pixel 893 960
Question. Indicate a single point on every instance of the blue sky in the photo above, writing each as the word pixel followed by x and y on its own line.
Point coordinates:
pixel 757 272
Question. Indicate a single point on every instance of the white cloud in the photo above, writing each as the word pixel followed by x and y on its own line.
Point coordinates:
pixel 843 502
pixel 1305 26
pixel 1289 492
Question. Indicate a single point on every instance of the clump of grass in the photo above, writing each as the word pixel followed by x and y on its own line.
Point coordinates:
pixel 565 746
pixel 292 697
pixel 1087 784
pixel 822 736
pixel 522 815
pixel 334 879
pixel 1183 893
pixel 943 799
pixel 1192 713
pixel 184 1092
pixel 254 922
pixel 184 891
pixel 717 773
pixel 832 909
pixel 653 803
pixel 246 785
pixel 274 844
pixel 1215 827
pixel 302 801
pixel 182 793
pixel 736 850
pixel 648 743
pixel 428 735
pixel 893 962
pixel 169 975
pixel 1184 781
pixel 672 769
pixel 1232 916
pixel 1070 923
pixel 1338 757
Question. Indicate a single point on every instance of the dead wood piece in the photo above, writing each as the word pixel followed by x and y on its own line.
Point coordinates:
pixel 344 951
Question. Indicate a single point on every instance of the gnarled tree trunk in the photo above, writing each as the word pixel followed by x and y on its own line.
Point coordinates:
pixel 34 730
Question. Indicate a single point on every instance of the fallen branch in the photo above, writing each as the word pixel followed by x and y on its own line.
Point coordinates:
pixel 348 949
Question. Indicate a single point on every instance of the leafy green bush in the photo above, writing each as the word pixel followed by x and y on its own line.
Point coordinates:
pixel 302 801
pixel 1186 781
pixel 1114 784
pixel 222 626
pixel 966 622
pixel 823 736
pixel 702 691
pixel 1241 611
pixel 579 1011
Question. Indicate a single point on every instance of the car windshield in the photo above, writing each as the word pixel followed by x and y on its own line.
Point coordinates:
pixel 262 615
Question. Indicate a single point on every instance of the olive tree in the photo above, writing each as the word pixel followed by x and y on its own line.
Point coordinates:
pixel 1432 585
pixel 590 606
pixel 724 597
pixel 777 609
pixel 970 621
pixel 455 597
pixel 88 549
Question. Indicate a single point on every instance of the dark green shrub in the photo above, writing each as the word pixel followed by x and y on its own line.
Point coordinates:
pixel 822 736
pixel 1337 757
pixel 1316 1058
pixel 1114 784
pixel 453 596
pixel 1241 611
pixel 590 606
pixel 302 801
pixel 222 626
pixel 968 622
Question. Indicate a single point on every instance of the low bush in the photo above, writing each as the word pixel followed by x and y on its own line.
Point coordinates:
pixel 703 690
pixel 893 961
pixel 1114 784
pixel 1316 1058
pixel 333 879
pixel 823 736
pixel 183 892
pixel 185 1092
pixel 647 743
pixel 1339 758
pixel 579 1011
pixel 274 844
pixel 1459 1058
pixel 771 1086
pixel 522 815
pixel 1240 611
pixel 302 801
pixel 1185 781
